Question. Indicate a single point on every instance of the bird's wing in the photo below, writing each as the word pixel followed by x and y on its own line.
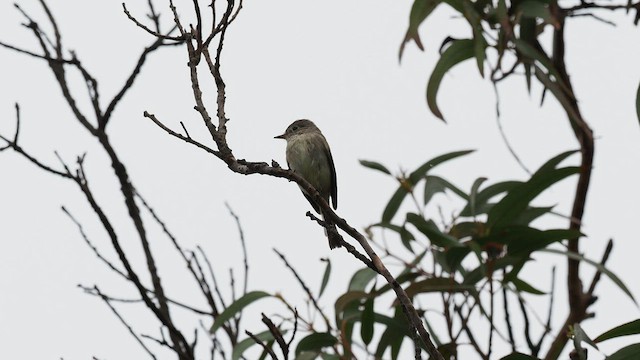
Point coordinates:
pixel 334 182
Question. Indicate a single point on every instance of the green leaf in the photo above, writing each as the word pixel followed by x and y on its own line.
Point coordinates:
pixel 245 344
pixel 626 353
pixel 483 196
pixel 555 161
pixel 480 272
pixel 346 302
pixel 325 356
pixel 536 9
pixel 525 240
pixel 236 307
pixel 448 350
pixel 307 355
pixel 518 198
pixel 531 213
pixel 434 234
pixel 630 328
pixel 361 278
pixel 315 341
pixel 458 51
pixel 532 53
pixel 432 187
pixel 437 284
pixel 375 166
pixel 420 10
pixel 436 184
pixel 394 204
pixel 325 277
pixel 451 259
pixel 518 356
pixel 558 89
pixel 396 200
pixel 366 324
pixel 524 286
pixel 422 171
pixel 616 280
pixel 474 193
pixel 392 336
pixel 405 235
pixel 479 42
pixel 264 353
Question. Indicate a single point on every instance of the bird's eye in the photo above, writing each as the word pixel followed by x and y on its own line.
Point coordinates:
pixel 294 128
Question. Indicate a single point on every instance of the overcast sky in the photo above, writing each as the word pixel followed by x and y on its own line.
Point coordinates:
pixel 334 62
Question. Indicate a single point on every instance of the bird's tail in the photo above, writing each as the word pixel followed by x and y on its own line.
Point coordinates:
pixel 335 239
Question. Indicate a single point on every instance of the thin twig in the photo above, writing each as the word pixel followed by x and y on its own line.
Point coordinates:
pixel 265 347
pixel 124 322
pixel 306 289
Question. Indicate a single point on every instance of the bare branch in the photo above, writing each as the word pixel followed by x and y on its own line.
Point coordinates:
pixel 124 322
pixel 244 247
pixel 187 138
pixel 306 289
pixel 154 18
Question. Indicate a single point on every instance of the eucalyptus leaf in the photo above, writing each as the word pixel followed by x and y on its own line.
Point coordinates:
pixel 420 10
pixel 428 228
pixel 325 277
pixel 236 307
pixel 315 341
pixel 630 328
pixel 616 280
pixel 375 166
pixel 458 51
pixel 626 353
pixel 424 169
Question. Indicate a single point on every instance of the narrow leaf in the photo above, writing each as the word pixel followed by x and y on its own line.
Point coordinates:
pixel 361 278
pixel 437 284
pixel 630 328
pixel 536 9
pixel 325 277
pixel 473 194
pixel 421 171
pixel 434 234
pixel 420 10
pixel 394 204
pixel 245 344
pixel 237 307
pixel 345 300
pixel 483 196
pixel 458 51
pixel 626 353
pixel 366 324
pixel 405 235
pixel 532 53
pixel 315 341
pixel 518 356
pixel 479 43
pixel 436 184
pixel 616 280
pixel 375 166
pixel 518 199
pixel 523 286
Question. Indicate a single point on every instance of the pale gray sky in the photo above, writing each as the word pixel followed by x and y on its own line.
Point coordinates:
pixel 334 62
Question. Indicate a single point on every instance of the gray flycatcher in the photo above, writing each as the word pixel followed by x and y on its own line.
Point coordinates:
pixel 308 154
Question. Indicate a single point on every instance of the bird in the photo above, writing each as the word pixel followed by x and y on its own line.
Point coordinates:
pixel 308 154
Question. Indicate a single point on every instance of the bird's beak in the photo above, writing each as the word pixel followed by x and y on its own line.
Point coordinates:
pixel 280 137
